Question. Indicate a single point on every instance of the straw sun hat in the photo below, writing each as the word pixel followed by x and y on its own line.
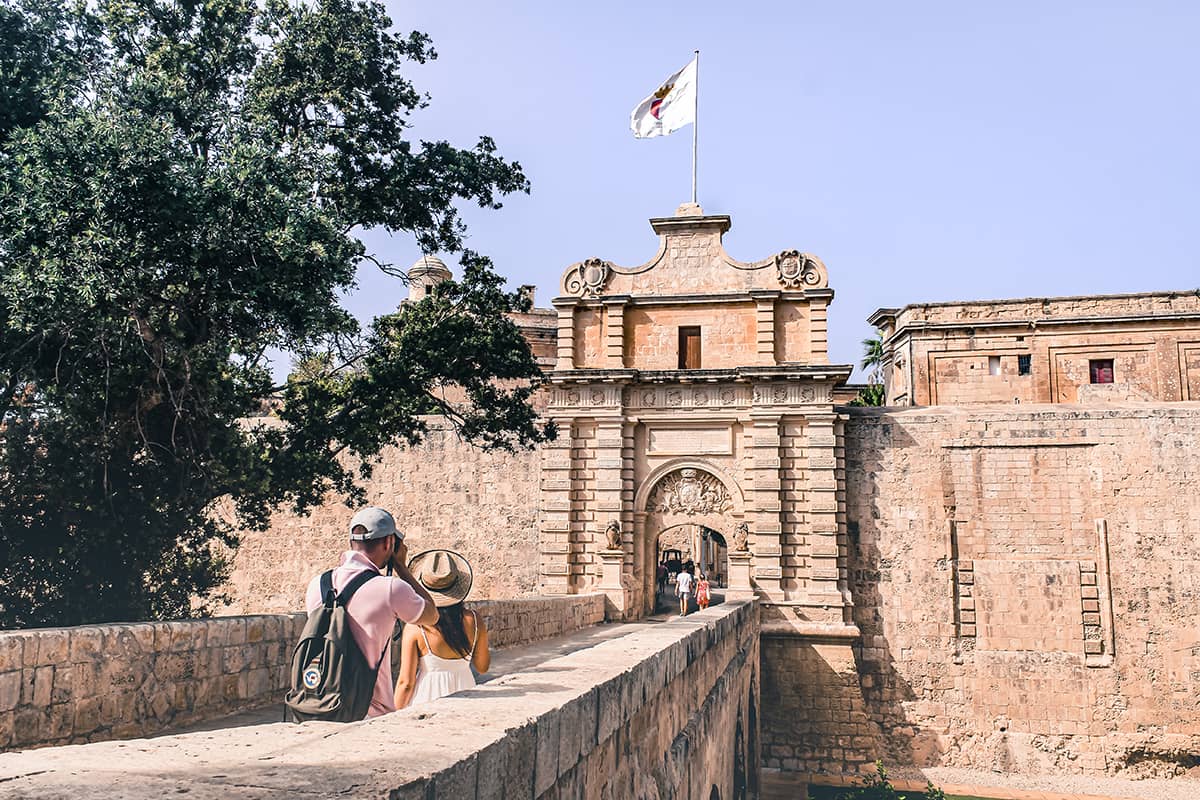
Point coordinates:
pixel 445 574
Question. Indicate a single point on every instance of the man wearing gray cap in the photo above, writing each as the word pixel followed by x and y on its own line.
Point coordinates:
pixel 374 608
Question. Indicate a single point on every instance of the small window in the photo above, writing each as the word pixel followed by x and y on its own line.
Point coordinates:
pixel 993 365
pixel 1101 370
pixel 1023 364
pixel 428 289
pixel 689 347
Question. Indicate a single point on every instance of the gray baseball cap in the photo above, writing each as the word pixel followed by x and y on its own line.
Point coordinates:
pixel 379 524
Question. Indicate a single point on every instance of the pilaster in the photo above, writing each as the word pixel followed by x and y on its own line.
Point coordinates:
pixel 614 331
pixel 554 513
pixel 566 332
pixel 767 508
pixel 764 325
pixel 825 578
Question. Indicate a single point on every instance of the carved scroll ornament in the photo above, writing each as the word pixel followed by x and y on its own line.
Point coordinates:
pixel 690 491
pixel 800 270
pixel 587 278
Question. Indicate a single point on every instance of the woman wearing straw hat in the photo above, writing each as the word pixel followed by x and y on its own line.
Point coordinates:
pixel 436 660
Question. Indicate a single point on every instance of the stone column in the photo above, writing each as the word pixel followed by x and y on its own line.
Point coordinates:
pixel 566 332
pixel 766 516
pixel 614 332
pixel 554 513
pixel 824 584
pixel 609 502
pixel 764 321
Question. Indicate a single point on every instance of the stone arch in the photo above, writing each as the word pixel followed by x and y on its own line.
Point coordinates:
pixel 648 521
pixel 646 490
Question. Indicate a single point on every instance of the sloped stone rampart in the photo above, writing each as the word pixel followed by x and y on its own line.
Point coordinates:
pixel 95 682
pixel 667 710
pixel 1027 581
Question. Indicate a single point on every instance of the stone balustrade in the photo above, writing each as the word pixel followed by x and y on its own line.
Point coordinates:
pixel 94 682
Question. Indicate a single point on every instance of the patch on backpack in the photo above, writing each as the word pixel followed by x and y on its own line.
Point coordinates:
pixel 312 677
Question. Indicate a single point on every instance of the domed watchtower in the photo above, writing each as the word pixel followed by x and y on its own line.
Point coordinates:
pixel 427 273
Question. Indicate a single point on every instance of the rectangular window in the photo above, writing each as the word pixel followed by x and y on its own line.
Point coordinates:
pixel 1101 370
pixel 689 347
pixel 428 288
pixel 1023 364
pixel 993 365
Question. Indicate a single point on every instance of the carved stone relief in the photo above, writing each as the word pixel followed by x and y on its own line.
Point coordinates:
pixel 690 491
pixel 587 278
pixel 799 270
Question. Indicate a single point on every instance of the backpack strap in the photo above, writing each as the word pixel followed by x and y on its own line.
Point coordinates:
pixel 354 585
pixel 327 593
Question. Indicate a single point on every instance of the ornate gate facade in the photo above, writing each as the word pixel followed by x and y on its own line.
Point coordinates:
pixel 696 389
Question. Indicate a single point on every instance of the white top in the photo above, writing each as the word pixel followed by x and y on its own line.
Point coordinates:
pixel 438 677
pixel 683 582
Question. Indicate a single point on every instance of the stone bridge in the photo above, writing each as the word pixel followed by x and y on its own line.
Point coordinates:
pixel 657 708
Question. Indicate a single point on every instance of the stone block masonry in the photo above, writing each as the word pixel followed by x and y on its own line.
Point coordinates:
pixel 667 710
pixel 1027 582
pixel 95 682
pixel 442 492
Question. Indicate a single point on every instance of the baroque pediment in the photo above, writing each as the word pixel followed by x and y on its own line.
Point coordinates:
pixel 691 259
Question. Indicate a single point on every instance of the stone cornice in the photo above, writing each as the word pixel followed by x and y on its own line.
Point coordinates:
pixel 837 373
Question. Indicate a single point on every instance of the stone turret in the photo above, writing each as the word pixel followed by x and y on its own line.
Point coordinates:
pixel 427 273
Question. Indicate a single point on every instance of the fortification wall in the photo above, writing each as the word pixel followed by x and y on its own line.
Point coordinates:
pixel 1026 581
pixel 667 710
pixel 96 682
pixel 442 492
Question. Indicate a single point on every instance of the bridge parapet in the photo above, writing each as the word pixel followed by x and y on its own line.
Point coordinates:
pixel 668 710
pixel 118 681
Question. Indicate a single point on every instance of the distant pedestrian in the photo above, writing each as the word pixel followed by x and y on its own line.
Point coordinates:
pixel 437 660
pixel 683 587
pixel 661 577
pixel 702 591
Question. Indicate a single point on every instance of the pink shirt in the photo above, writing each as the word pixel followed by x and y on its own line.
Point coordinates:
pixel 373 612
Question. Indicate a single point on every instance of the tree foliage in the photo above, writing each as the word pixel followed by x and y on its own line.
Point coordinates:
pixel 873 394
pixel 181 184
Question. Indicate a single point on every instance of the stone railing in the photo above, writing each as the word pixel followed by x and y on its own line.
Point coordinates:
pixel 94 682
pixel 669 709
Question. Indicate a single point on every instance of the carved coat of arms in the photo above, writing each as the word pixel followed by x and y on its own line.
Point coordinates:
pixel 690 491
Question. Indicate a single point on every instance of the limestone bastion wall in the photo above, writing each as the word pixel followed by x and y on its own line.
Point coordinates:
pixel 96 682
pixel 443 492
pixel 1027 585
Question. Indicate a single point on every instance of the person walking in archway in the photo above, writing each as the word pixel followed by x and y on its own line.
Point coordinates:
pixel 683 587
pixel 702 591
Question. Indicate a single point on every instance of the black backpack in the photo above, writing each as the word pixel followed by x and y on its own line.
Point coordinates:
pixel 331 678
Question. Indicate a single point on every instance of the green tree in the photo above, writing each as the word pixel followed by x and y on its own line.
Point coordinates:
pixel 181 184
pixel 873 394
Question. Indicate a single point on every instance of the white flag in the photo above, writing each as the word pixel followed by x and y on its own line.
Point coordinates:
pixel 669 108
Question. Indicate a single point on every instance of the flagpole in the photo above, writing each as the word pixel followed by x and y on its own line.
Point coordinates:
pixel 695 124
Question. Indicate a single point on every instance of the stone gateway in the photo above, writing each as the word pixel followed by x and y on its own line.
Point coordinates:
pixel 1009 580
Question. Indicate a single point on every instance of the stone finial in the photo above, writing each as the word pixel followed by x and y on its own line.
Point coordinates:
pixel 740 535
pixel 613 534
pixel 689 210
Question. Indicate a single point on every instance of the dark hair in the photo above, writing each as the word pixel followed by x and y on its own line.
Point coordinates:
pixel 450 626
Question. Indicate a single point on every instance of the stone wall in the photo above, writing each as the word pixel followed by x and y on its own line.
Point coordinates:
pixel 442 492
pixel 94 682
pixel 667 710
pixel 1026 581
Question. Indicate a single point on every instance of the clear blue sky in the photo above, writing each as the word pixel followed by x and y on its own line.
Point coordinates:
pixel 924 151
